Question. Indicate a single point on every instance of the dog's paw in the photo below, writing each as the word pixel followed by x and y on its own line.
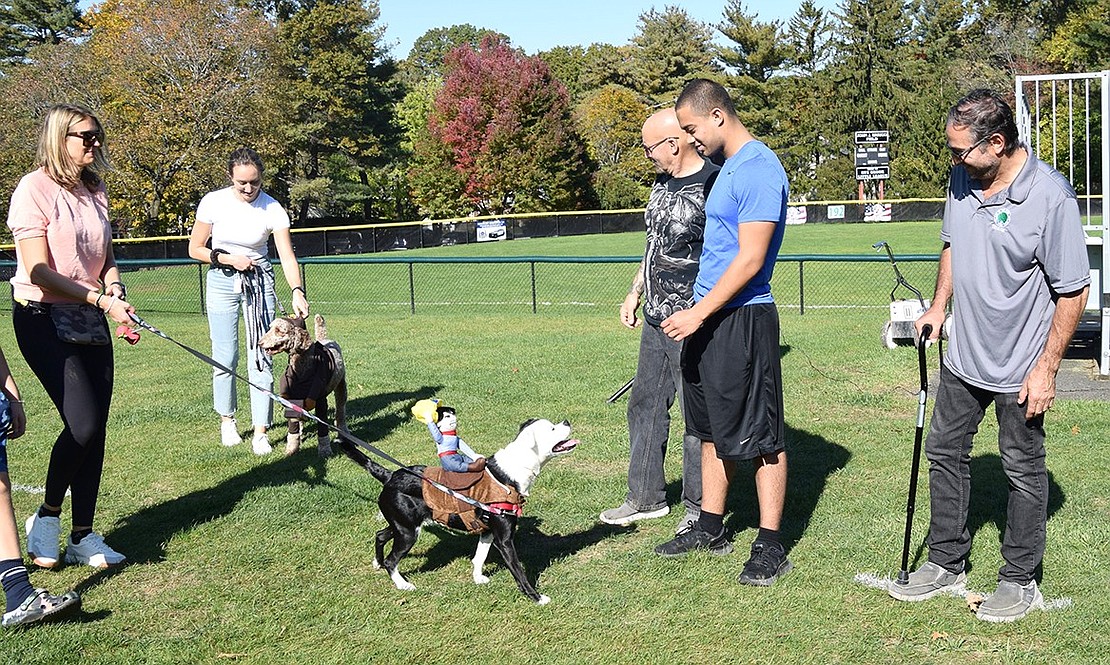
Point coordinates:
pixel 543 600
pixel 480 579
pixel 377 564
pixel 401 583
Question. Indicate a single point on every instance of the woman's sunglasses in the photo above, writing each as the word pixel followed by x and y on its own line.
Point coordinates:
pixel 89 137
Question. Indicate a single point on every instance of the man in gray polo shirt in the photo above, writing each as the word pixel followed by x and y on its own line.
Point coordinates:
pixel 1014 267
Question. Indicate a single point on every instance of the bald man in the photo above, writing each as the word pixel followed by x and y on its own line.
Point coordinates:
pixel 675 220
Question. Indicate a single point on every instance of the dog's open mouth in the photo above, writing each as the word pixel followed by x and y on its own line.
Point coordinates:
pixel 565 446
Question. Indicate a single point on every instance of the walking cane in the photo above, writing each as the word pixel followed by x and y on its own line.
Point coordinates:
pixel 915 467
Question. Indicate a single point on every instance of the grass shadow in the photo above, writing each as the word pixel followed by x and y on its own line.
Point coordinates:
pixel 372 417
pixel 987 504
pixel 537 549
pixel 811 459
pixel 143 535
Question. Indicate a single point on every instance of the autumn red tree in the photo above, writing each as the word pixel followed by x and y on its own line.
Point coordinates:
pixel 502 127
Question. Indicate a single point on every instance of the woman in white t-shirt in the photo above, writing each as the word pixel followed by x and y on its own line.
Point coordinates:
pixel 240 220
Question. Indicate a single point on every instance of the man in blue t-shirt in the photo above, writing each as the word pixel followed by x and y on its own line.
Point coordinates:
pixel 732 378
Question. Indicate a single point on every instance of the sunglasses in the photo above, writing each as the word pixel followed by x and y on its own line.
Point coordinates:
pixel 89 137
pixel 960 155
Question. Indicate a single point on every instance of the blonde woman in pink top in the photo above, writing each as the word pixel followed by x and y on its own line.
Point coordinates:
pixel 65 283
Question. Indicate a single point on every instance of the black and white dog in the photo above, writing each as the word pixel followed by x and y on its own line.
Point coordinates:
pixel 511 470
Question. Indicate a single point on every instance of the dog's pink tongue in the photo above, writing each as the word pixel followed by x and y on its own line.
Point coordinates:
pixel 566 445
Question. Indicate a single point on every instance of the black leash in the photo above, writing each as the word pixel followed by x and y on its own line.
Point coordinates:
pixel 342 432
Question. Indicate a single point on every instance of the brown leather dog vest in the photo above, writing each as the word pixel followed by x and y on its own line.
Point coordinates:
pixel 478 485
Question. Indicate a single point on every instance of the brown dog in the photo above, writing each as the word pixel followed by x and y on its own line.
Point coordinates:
pixel 315 371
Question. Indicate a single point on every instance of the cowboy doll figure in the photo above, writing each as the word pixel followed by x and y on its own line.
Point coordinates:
pixel 454 454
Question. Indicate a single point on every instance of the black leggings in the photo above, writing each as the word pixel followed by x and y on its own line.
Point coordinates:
pixel 78 378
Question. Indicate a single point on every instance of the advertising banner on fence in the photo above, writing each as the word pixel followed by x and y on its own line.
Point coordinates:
pixel 490 230
pixel 876 212
pixel 796 215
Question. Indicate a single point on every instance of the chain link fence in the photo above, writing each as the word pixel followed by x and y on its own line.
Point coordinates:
pixel 398 285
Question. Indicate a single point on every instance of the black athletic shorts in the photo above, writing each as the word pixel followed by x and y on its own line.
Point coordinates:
pixel 732 378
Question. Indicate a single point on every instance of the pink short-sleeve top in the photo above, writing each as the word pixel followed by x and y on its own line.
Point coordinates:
pixel 75 225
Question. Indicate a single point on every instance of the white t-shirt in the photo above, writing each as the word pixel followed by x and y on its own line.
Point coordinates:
pixel 240 227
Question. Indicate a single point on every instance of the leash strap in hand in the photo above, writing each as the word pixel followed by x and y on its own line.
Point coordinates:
pixel 256 316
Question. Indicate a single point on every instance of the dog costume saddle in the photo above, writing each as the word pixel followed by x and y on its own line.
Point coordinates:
pixel 478 485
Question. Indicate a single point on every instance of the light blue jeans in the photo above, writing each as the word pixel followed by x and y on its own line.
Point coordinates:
pixel 224 305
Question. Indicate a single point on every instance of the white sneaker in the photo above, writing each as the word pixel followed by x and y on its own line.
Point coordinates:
pixel 260 444
pixel 43 535
pixel 229 433
pixel 92 551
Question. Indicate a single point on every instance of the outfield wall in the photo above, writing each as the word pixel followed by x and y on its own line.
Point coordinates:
pixel 342 239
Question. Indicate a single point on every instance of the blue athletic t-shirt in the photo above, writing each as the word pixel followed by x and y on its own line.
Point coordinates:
pixel 751 187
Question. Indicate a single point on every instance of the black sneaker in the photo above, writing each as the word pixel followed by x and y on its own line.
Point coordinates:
pixel 695 539
pixel 767 563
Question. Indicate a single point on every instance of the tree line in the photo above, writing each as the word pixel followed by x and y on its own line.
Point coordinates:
pixel 468 123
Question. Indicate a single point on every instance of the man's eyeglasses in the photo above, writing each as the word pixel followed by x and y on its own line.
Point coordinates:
pixel 960 155
pixel 89 137
pixel 649 148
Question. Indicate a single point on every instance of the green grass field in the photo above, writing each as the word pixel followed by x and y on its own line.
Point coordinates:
pixel 241 559
pixel 389 289
pixel 904 238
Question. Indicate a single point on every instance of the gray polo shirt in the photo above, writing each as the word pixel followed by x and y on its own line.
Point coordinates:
pixel 1010 254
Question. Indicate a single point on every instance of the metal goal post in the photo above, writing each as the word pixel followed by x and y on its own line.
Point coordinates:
pixel 1065 120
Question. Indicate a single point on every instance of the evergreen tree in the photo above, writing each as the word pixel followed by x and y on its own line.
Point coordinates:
pixel 670 49
pixel 25 24
pixel 340 99
pixel 803 96
pixel 872 84
pixel 1082 42
pixel 605 64
pixel 807 36
pixel 757 50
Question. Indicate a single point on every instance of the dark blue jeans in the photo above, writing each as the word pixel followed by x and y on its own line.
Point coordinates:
pixel 658 382
pixel 958 410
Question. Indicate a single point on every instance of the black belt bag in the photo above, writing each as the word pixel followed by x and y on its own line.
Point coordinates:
pixel 80 323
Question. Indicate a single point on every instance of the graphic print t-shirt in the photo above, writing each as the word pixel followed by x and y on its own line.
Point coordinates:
pixel 675 219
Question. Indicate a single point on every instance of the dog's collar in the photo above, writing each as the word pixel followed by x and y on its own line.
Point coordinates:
pixel 514 508
pixel 450 433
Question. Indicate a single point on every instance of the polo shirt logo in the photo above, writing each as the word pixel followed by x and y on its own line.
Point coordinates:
pixel 1001 220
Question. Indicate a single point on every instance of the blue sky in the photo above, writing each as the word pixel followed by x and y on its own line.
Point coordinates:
pixel 539 25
